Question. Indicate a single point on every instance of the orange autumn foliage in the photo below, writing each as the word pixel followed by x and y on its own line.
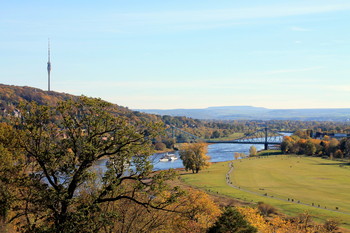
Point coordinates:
pixel 278 224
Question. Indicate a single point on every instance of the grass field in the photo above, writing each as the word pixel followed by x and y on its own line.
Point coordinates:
pixel 304 179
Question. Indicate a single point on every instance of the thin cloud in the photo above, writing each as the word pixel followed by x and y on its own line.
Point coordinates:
pixel 130 22
pixel 139 84
pixel 342 88
pixel 231 14
pixel 293 70
pixel 225 15
pixel 300 29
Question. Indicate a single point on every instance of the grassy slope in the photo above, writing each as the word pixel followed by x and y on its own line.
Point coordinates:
pixel 305 179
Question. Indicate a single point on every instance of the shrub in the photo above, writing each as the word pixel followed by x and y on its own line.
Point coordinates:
pixel 159 146
pixel 331 225
pixel 266 209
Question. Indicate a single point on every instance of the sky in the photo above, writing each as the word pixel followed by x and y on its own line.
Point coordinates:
pixel 182 54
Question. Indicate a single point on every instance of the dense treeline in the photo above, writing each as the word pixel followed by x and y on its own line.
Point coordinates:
pixel 238 128
pixel 11 96
pixel 301 143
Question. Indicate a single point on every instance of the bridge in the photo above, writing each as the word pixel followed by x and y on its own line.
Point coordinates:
pixel 263 136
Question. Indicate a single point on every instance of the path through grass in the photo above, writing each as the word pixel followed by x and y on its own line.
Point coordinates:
pixel 301 179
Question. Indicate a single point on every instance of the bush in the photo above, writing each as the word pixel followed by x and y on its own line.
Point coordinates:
pixel 331 225
pixel 266 209
pixel 159 146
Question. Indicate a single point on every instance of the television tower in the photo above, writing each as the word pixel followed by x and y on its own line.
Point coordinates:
pixel 48 66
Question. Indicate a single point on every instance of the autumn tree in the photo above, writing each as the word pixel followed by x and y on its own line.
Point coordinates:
pixel 199 212
pixel 287 145
pixel 11 174
pixel 232 221
pixel 339 154
pixel 159 146
pixel 194 211
pixel 302 134
pixel 310 148
pixel 236 155
pixel 333 146
pixel 60 188
pixel 215 134
pixel 253 151
pixel 345 146
pixel 326 138
pixel 194 156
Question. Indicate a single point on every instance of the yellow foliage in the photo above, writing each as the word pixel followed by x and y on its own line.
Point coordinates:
pixel 278 224
pixel 199 212
pixel 194 156
pixel 192 212
pixel 315 141
pixel 287 138
pixel 254 218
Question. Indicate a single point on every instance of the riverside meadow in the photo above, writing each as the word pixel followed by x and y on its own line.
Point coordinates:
pixel 293 184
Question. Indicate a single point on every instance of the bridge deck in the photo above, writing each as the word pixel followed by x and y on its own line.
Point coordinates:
pixel 263 136
pixel 242 142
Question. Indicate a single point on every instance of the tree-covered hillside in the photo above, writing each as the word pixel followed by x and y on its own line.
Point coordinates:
pixel 11 96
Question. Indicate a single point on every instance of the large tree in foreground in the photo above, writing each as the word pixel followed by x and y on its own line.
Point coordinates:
pixel 60 186
pixel 194 156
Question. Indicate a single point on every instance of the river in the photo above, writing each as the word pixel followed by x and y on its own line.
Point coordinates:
pixel 218 152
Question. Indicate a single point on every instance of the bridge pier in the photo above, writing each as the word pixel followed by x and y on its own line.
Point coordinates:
pixel 266 146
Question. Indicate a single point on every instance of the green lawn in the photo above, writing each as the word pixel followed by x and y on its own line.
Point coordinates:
pixel 304 179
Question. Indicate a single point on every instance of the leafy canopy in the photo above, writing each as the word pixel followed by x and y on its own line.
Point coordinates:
pixel 194 156
pixel 58 183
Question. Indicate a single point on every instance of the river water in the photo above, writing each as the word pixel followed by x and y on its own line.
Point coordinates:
pixel 218 152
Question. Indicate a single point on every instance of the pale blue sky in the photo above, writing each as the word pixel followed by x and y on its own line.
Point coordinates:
pixel 182 54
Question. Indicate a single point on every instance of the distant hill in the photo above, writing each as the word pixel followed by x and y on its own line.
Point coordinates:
pixel 11 96
pixel 257 113
pixel 198 122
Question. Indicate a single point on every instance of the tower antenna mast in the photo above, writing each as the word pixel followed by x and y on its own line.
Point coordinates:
pixel 48 66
